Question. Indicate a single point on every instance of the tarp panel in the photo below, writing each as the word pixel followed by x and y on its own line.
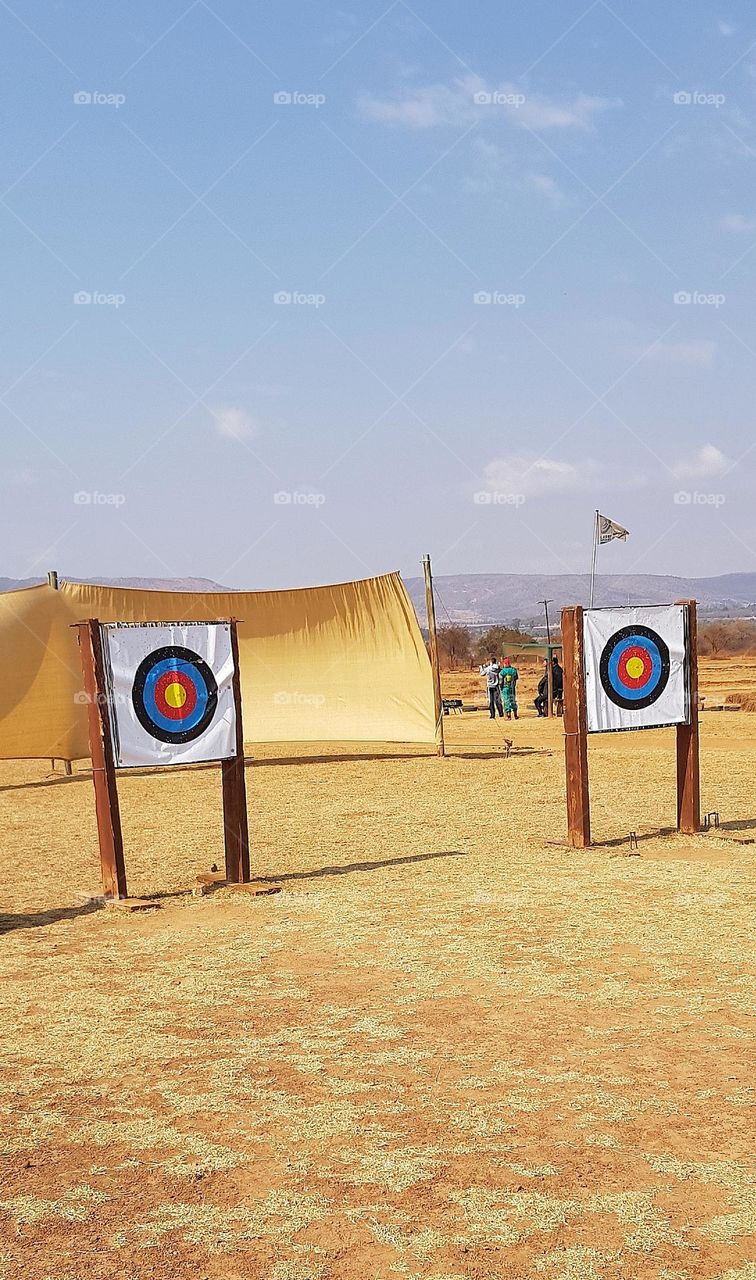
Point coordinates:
pixel 322 664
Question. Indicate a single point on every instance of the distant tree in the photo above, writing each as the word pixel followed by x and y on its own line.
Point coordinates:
pixel 727 637
pixel 454 646
pixel 499 640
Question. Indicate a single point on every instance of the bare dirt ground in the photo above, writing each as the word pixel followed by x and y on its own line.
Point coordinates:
pixel 450 1048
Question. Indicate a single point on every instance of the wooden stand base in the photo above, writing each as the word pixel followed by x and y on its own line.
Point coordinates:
pixel 132 904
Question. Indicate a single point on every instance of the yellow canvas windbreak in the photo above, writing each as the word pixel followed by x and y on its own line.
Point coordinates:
pixel 323 664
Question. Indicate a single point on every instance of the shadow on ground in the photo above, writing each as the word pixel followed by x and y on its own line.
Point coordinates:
pixel 350 867
pixel 38 919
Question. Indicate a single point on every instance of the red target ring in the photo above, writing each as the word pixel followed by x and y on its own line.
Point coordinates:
pixel 167 703
pixel 635 667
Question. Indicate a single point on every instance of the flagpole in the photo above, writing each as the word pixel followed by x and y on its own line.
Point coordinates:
pixel 595 551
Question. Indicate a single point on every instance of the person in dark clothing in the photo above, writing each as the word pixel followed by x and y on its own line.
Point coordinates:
pixel 557 687
pixel 557 679
pixel 542 696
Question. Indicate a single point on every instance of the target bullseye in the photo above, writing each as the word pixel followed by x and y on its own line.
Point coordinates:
pixel 174 694
pixel 634 667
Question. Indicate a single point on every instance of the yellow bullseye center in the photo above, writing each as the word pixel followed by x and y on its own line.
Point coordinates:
pixel 175 695
pixel 635 668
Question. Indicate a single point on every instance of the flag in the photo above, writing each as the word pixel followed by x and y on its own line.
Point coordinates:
pixel 608 530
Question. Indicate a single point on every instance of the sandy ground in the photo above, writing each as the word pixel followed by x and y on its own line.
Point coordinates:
pixel 450 1048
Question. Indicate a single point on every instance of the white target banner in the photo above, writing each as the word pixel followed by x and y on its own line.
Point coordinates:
pixel 170 688
pixel 636 667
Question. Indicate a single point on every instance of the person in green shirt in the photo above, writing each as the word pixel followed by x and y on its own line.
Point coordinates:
pixel 508 676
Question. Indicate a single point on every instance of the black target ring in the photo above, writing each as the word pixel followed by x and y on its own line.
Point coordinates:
pixel 634 667
pixel 174 694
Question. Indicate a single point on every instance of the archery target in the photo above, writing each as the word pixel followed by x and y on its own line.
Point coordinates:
pixel 175 694
pixel 171 690
pixel 636 667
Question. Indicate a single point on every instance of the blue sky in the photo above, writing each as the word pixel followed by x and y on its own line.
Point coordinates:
pixel 586 172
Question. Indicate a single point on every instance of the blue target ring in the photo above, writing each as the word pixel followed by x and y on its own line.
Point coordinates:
pixel 174 695
pixel 634 667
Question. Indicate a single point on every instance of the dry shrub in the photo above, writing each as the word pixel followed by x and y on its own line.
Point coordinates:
pixel 746 701
pixel 723 639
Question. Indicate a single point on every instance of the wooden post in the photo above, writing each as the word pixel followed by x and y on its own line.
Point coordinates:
pixel 235 824
pixel 52 581
pixel 688 756
pixel 433 637
pixel 549 685
pixel 103 767
pixel 575 730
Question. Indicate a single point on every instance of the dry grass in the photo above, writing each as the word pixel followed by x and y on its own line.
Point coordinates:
pixel 450 1049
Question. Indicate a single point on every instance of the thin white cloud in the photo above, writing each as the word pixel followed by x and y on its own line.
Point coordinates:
pixel 22 477
pixel 738 223
pixel 470 99
pixel 233 423
pixel 726 28
pixel 547 187
pixel 701 352
pixel 534 477
pixel 705 462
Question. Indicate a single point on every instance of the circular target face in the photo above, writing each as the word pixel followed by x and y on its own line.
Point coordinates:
pixel 174 694
pixel 634 667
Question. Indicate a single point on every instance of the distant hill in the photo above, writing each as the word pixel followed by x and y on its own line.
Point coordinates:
pixel 142 584
pixel 513 597
pixel 516 597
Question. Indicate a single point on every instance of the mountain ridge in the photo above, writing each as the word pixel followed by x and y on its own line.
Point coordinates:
pixel 509 597
pixel 470 598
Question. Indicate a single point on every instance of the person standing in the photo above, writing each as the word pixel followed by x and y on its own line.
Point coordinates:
pixel 491 671
pixel 508 676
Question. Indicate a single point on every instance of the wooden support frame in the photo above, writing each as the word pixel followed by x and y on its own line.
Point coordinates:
pixel 433 637
pixel 104 773
pixel 103 767
pixel 235 824
pixel 575 730
pixel 688 746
